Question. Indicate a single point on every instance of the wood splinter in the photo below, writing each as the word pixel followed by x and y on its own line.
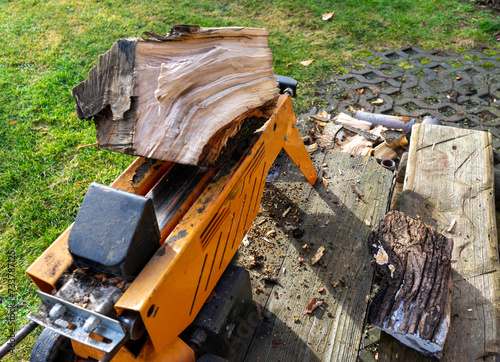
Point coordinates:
pixel 413 302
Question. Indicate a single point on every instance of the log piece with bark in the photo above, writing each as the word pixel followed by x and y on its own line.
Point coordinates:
pixel 179 97
pixel 414 262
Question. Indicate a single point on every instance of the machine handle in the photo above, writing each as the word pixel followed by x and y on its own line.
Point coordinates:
pixel 287 85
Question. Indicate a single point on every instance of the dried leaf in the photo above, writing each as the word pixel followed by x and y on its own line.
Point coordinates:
pixel 325 182
pixel 289 65
pixel 296 319
pixel 323 114
pixel 13 122
pixel 378 101
pixel 318 255
pixel 361 90
pixel 307 63
pixel 459 77
pixel 321 290
pixel 315 303
pixel 327 16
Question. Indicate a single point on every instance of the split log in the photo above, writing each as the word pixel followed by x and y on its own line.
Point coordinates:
pixel 414 262
pixel 384 152
pixel 351 121
pixel 360 145
pixel 179 97
pixel 329 136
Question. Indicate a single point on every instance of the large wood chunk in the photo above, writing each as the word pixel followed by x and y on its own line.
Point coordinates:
pixel 449 185
pixel 179 97
pixel 414 262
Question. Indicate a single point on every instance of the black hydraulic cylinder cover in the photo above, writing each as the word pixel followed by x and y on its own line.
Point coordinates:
pixel 115 231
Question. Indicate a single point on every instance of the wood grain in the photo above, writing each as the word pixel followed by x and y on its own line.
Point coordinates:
pixel 169 97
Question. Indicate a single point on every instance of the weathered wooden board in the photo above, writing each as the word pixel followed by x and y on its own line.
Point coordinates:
pixel 330 215
pixel 179 97
pixel 450 177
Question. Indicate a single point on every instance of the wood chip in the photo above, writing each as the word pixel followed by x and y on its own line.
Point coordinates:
pixel 324 114
pixel 315 303
pixel 318 255
pixel 286 211
pixel 272 280
pixel 358 193
pixel 452 225
pixel 312 148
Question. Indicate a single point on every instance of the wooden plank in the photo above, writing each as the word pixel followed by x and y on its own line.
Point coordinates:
pixel 333 217
pixel 182 96
pixel 450 177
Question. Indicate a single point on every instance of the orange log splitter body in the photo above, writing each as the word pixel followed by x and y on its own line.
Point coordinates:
pixel 174 285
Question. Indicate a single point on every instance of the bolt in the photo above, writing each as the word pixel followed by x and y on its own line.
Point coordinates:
pixel 91 324
pixel 57 311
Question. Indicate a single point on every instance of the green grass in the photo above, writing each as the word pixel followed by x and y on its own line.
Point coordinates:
pixel 49 46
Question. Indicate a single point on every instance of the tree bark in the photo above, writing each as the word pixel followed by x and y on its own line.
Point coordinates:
pixel 414 263
pixel 179 97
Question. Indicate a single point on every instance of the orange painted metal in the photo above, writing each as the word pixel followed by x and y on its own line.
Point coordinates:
pixel 176 351
pixel 138 178
pixel 174 285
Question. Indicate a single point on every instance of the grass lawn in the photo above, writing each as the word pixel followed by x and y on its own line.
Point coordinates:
pixel 49 47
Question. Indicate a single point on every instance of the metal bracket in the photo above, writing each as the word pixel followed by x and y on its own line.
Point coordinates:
pixel 78 323
pixel 287 85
